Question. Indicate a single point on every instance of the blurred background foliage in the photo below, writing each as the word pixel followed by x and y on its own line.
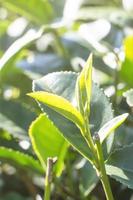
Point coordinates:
pixel 38 37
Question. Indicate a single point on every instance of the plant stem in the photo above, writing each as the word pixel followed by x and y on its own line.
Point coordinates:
pixel 89 140
pixel 92 147
pixel 47 192
pixel 102 171
pixel 48 178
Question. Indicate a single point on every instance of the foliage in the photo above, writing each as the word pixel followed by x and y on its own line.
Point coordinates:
pixel 43 47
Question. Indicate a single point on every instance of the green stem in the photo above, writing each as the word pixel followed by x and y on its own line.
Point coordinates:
pixel 48 178
pixel 47 192
pixel 91 145
pixel 102 171
pixel 89 140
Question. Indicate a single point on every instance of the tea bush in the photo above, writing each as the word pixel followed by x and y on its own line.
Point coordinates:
pixel 69 136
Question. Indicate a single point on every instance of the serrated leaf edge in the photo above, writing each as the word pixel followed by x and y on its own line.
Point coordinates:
pixel 118 180
pixel 23 154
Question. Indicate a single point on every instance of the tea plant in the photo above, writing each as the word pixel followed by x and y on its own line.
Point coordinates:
pixel 82 115
pixel 37 39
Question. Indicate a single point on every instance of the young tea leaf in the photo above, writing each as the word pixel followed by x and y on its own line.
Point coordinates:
pixel 84 86
pixel 88 79
pixel 60 105
pixel 111 126
pixel 48 142
pixel 63 84
pixel 126 72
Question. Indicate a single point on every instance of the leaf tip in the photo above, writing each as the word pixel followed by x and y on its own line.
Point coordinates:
pixel 125 115
pixel 31 94
pixel 90 59
pixel 91 56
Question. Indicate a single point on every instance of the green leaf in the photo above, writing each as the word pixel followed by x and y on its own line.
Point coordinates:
pixel 128 46
pixel 110 126
pixel 127 69
pixel 48 142
pixel 122 139
pixel 20 160
pixel 78 47
pixel 86 13
pixel 129 97
pixel 122 158
pixel 15 118
pixel 38 11
pixel 63 84
pixel 8 59
pixel 87 177
pixel 84 86
pixel 122 176
pixel 120 165
pixel 60 105
pixel 40 63
pixel 88 79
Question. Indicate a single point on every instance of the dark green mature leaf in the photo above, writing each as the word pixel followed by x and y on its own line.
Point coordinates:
pixel 129 97
pixel 123 136
pixel 120 165
pixel 87 177
pixel 38 11
pixel 122 176
pixel 43 64
pixel 122 158
pixel 15 118
pixel 20 160
pixel 47 141
pixel 78 47
pixel 63 84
